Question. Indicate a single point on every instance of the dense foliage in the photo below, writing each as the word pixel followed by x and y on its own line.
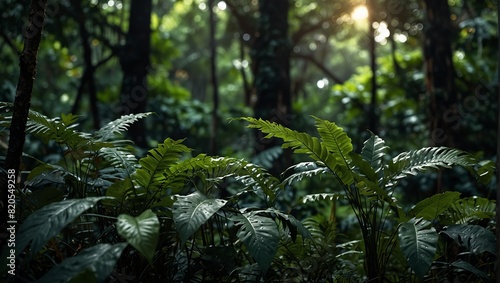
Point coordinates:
pixel 99 212
pixel 187 191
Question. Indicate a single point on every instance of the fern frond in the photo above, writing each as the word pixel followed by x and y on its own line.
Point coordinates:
pixel 118 126
pixel 320 197
pixel 54 129
pixel 119 157
pixel 168 153
pixel 416 161
pixel 302 143
pixel 309 169
pixel 335 139
pixel 267 157
pixel 373 151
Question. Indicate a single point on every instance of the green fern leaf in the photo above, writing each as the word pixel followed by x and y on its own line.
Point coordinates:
pixel 335 139
pixel 118 126
pixel 153 166
pixel 53 129
pixel 373 151
pixel 320 197
pixel 302 143
pixel 119 157
pixel 471 209
pixel 308 169
pixel 260 236
pixel 415 161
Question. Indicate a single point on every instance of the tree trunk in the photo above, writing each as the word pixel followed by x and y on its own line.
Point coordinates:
pixel 271 57
pixel 215 84
pixel 134 59
pixel 22 101
pixel 440 73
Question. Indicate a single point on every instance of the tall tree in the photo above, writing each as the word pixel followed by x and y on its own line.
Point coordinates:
pixel 271 57
pixel 134 59
pixel 22 101
pixel 439 72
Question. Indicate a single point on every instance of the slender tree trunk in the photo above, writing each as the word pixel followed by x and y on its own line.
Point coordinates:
pixel 22 101
pixel 439 72
pixel 497 218
pixel 271 57
pixel 372 112
pixel 215 84
pixel 134 59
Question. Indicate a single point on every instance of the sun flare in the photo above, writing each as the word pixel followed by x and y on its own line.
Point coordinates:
pixel 359 13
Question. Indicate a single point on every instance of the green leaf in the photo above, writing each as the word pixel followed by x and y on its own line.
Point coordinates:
pixel 118 126
pixel 320 197
pixel 304 143
pixel 142 232
pixel 191 211
pixel 373 151
pixel 101 259
pixel 471 268
pixel 364 166
pixel 474 238
pixel 418 242
pixel 260 236
pixel 421 160
pixel 466 210
pixel 335 139
pixel 48 221
pixel 430 208
pixel 150 175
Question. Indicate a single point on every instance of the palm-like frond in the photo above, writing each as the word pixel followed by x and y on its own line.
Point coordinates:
pixel 336 140
pixel 54 129
pixel 119 157
pixel 308 169
pixel 415 161
pixel 168 153
pixel 118 126
pixel 303 143
pixel 373 151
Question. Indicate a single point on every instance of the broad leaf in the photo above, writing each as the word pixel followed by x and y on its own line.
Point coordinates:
pixel 373 151
pixel 142 232
pixel 418 242
pixel 260 236
pixel 192 211
pixel 430 208
pixel 471 268
pixel 100 259
pixel 48 221
pixel 474 238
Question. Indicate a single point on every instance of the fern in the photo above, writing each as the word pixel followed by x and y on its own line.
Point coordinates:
pixel 119 157
pixel 336 140
pixel 297 177
pixel 53 129
pixel 153 166
pixel 304 143
pixel 415 161
pixel 373 151
pixel 118 126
